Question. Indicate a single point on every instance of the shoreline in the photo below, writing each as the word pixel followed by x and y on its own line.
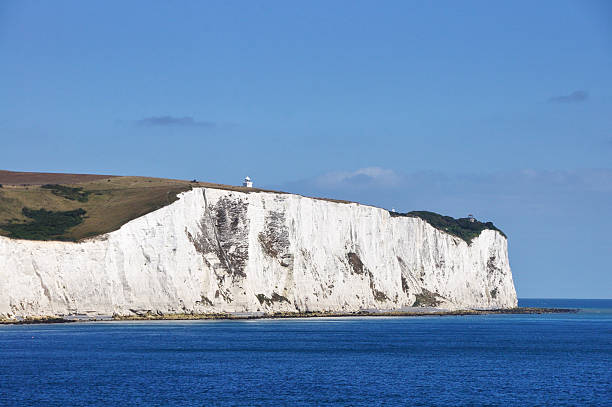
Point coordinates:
pixel 288 315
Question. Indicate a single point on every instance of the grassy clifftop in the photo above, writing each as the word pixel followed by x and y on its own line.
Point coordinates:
pixel 80 210
pixel 71 207
pixel 464 228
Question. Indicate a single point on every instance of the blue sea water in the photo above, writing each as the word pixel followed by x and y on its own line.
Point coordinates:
pixel 495 360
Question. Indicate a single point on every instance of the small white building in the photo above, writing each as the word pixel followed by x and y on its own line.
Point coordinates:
pixel 247 182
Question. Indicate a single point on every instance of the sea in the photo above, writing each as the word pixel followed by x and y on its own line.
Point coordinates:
pixel 490 360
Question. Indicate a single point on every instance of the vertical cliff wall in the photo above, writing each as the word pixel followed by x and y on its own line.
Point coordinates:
pixel 224 251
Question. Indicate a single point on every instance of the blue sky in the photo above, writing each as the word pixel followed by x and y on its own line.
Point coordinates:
pixel 501 109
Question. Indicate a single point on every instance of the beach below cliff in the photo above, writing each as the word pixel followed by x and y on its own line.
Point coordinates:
pixel 406 312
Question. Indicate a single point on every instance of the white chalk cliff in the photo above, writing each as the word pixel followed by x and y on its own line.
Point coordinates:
pixel 216 250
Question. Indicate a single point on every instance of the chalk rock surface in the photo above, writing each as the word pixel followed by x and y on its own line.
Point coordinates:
pixel 216 250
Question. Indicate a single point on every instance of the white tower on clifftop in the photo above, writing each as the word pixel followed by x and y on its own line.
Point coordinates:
pixel 247 182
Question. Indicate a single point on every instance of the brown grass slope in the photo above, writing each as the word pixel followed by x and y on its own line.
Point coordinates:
pixel 40 178
pixel 111 202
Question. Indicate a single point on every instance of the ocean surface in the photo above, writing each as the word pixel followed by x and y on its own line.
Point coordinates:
pixel 496 360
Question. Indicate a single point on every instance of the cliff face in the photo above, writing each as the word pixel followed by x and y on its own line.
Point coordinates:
pixel 226 251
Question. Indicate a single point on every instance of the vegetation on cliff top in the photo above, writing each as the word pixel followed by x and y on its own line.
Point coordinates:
pixel 44 225
pixel 108 202
pixel 464 228
pixel 77 211
pixel 74 194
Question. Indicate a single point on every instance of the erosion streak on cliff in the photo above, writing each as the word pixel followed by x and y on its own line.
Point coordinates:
pixel 218 251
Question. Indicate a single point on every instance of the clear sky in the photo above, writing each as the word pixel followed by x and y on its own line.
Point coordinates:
pixel 501 109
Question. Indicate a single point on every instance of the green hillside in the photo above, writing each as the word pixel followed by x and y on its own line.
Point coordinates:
pixel 464 228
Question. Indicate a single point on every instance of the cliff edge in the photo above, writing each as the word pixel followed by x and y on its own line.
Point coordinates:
pixel 220 250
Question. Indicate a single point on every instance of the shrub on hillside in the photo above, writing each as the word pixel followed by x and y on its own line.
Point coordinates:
pixel 45 225
pixel 74 194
